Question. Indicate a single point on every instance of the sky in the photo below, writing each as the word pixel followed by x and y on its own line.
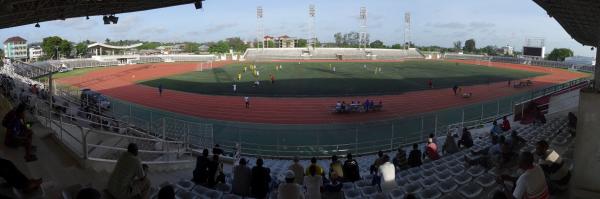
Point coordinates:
pixel 434 22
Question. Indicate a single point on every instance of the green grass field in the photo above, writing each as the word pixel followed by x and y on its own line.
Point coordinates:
pixel 318 79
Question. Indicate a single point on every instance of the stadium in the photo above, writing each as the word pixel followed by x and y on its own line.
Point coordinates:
pixel 302 106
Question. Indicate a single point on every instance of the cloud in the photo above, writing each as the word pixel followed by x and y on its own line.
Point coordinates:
pixel 125 24
pixel 76 23
pixel 154 30
pixel 220 27
pixel 449 25
pixel 482 25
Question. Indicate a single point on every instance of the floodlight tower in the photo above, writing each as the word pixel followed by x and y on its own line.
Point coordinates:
pixel 407 29
pixel 260 34
pixel 363 29
pixel 312 36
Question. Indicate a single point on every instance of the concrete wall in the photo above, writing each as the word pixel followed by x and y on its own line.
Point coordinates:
pixel 585 181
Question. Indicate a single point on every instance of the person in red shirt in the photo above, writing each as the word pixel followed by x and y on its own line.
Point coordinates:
pixel 431 150
pixel 505 124
pixel 272 79
pixel 430 83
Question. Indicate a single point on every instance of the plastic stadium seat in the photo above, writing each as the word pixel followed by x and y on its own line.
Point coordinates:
pixel 451 164
pixel 362 183
pixel 368 177
pixel 452 195
pixel 397 194
pixel 443 176
pixel 231 196
pixel 427 166
pixel 429 182
pixel 471 190
pixel 379 196
pixel 415 170
pixel 430 193
pixel 441 168
pixel 414 178
pixel 352 194
pixel 225 188
pixel 401 182
pixel 457 170
pixel 475 171
pixel 213 194
pixel 185 184
pixel 462 178
pixel 485 180
pixel 447 186
pixel 413 188
pixel 427 173
pixel 368 191
pixel 403 174
pixel 347 186
pixel 184 194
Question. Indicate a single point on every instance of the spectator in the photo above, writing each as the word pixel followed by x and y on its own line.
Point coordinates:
pixel 313 161
pixel 217 150
pixel 431 150
pixel 433 138
pixel 90 193
pixel 333 189
pixel 215 172
pixel 335 168
pixel 506 152
pixel 450 146
pixel 313 182
pixel 18 133
pixel 495 130
pixel 377 162
pixel 16 179
pixel 572 124
pixel 351 169
pixel 414 157
pixel 466 140
pixel 530 184
pixel 260 179
pixel 241 179
pixel 400 161
pixel 505 124
pixel 298 170
pixel 289 189
pixel 387 174
pixel 515 141
pixel 128 179
pixel 553 166
pixel 201 170
pixel 166 192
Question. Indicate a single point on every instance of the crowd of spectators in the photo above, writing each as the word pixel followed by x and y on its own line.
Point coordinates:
pixel 357 106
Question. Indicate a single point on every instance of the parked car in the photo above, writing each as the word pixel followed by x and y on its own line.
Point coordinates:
pixel 93 100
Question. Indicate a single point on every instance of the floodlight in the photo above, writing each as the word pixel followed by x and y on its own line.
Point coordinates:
pixel 37 25
pixel 106 20
pixel 198 4
pixel 113 19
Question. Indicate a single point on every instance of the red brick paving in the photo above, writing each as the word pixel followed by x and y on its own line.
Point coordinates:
pixel 120 82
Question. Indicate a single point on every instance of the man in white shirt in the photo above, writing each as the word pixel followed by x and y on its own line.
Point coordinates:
pixel 289 189
pixel 298 170
pixel 234 88
pixel 387 173
pixel 247 100
pixel 531 184
pixel 555 169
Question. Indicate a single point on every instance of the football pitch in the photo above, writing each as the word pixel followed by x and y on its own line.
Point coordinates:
pixel 333 79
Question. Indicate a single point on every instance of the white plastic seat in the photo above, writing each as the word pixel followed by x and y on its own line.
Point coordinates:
pixel 463 178
pixel 475 171
pixel 397 194
pixel 447 186
pixel 413 188
pixel 429 182
pixel 430 193
pixel 368 191
pixel 352 194
pixel 471 190
pixel 485 180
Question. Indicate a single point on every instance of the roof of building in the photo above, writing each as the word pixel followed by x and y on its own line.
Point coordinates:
pixel 14 39
pixel 114 47
pixel 580 18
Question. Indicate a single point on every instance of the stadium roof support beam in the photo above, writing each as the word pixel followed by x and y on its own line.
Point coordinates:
pixel 23 12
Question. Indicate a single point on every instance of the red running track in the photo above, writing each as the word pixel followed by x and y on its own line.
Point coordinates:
pixel 120 82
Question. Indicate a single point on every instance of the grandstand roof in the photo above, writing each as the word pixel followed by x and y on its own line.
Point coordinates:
pixel 580 18
pixel 22 12
pixel 114 47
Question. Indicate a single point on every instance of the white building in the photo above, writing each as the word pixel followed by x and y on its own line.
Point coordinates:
pixel 508 50
pixel 15 48
pixel 580 61
pixel 35 52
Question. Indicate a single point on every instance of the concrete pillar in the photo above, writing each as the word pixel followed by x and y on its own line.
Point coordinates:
pixel 585 180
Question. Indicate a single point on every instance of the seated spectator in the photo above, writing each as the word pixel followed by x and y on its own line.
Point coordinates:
pixel 377 162
pixel 515 141
pixel 414 157
pixel 217 150
pixel 466 140
pixel 215 172
pixel 351 169
pixel 16 179
pixel 450 146
pixel 505 124
pixel 335 168
pixel 128 179
pixel 530 184
pixel 400 161
pixel 431 150
pixel 313 161
pixel 552 164
pixel 241 179
pixel 261 177
pixel 495 130
pixel 387 175
pixel 201 170
pixel 18 133
pixel 289 189
pixel 313 182
pixel 166 192
pixel 572 124
pixel 298 169
pixel 333 189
